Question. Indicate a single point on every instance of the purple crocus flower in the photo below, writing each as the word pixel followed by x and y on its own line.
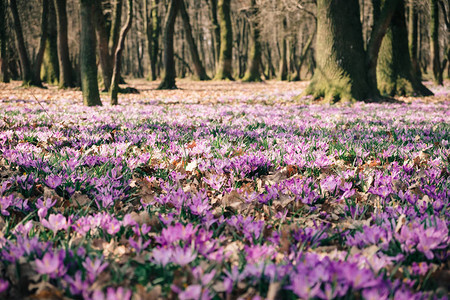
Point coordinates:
pixel 55 222
pixel 49 264
pixel 94 268
pixel 4 285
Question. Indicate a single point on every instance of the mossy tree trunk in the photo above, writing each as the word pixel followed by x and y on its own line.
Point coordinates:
pixel 118 55
pixel 105 59
pixel 394 70
pixel 168 80
pixel 340 72
pixel 4 74
pixel 254 66
pixel 25 64
pixel 283 70
pixel 50 67
pixel 66 78
pixel 216 29
pixel 434 42
pixel 152 29
pixel 199 69
pixel 225 68
pixel 42 43
pixel 89 84
pixel 412 38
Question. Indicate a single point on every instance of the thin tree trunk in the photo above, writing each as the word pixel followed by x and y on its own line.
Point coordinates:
pixel 41 50
pixel 283 59
pixel 394 71
pixel 118 55
pixel 89 84
pixel 198 65
pixel 302 57
pixel 225 70
pixel 152 29
pixel 4 74
pixel 168 81
pixel 66 78
pixel 115 27
pixel 27 73
pixel 216 29
pixel 434 42
pixel 105 57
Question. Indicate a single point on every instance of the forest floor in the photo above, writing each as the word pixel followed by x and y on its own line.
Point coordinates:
pixel 223 190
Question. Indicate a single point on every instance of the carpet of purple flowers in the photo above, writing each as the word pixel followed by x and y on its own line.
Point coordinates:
pixel 251 197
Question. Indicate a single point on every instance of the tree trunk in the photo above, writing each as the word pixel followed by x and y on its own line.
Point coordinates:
pixel 105 57
pixel 412 33
pixel 88 64
pixel 41 50
pixel 66 78
pixel 200 72
pixel 283 59
pixel 27 73
pixel 4 74
pixel 302 57
pixel 118 55
pixel 216 29
pixel 168 81
pixel 339 75
pixel 50 67
pixel 115 27
pixel 434 42
pixel 152 30
pixel 394 71
pixel 225 70
pixel 253 71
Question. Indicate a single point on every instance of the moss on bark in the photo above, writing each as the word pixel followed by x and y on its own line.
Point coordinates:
pixel 225 70
pixel 89 84
pixel 340 72
pixel 395 75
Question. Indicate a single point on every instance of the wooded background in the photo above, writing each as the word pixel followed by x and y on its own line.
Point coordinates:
pixel 41 39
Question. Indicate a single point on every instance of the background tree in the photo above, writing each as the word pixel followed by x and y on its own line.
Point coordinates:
pixel 224 70
pixel 168 80
pixel 395 74
pixel 50 67
pixel 65 68
pixel 152 29
pixel 4 74
pixel 253 71
pixel 118 55
pixel 89 85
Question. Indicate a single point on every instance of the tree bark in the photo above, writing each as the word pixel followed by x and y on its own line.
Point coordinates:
pixel 115 27
pixel 412 34
pixel 152 30
pixel 302 57
pixel 200 72
pixel 25 64
pixel 66 78
pixel 216 29
pixel 339 75
pixel 88 64
pixel 105 58
pixel 42 43
pixel 254 66
pixel 168 81
pixel 50 67
pixel 394 71
pixel 225 70
pixel 283 59
pixel 434 42
pixel 118 55
pixel 4 74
